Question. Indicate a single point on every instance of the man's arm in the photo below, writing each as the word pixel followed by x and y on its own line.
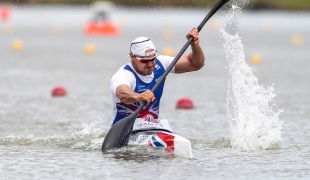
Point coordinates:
pixel 128 96
pixel 193 61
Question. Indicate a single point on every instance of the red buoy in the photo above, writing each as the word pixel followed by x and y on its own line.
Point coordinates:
pixel 105 28
pixel 4 12
pixel 185 103
pixel 59 91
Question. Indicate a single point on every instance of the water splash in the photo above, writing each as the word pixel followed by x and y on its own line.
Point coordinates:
pixel 254 123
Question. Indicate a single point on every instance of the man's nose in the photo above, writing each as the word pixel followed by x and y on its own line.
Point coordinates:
pixel 150 63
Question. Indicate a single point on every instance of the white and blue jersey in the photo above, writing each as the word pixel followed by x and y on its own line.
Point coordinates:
pixel 138 83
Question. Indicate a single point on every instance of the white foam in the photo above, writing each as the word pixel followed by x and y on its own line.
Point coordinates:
pixel 86 136
pixel 254 124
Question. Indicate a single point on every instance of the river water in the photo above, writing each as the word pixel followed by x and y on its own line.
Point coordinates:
pixel 43 137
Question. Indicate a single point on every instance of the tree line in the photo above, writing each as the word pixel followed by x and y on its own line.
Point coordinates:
pixel 253 4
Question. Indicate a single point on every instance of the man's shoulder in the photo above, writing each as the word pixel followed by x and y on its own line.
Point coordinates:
pixel 122 72
pixel 164 57
pixel 165 60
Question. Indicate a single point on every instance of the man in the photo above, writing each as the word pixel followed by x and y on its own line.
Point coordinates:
pixel 131 84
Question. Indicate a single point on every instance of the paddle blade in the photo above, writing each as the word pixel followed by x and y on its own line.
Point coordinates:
pixel 117 135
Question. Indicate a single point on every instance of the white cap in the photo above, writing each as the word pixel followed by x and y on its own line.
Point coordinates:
pixel 140 45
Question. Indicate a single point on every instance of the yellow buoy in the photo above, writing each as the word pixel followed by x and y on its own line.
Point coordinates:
pixel 17 45
pixel 8 28
pixel 168 34
pixel 58 30
pixel 267 26
pixel 256 58
pixel 213 24
pixel 297 40
pixel 90 48
pixel 168 51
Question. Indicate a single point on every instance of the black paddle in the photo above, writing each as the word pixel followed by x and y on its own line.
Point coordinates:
pixel 119 132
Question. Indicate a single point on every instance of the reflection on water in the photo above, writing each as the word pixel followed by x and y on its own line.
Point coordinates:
pixel 217 144
pixel 140 154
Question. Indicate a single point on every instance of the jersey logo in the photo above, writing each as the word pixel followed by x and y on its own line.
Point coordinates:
pixel 157 67
pixel 141 88
pixel 150 118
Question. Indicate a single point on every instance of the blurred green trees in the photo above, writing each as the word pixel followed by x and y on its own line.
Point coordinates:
pixel 254 4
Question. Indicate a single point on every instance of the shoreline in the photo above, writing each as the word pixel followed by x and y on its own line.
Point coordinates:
pixel 288 5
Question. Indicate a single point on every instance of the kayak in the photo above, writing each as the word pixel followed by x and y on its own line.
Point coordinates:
pixel 172 143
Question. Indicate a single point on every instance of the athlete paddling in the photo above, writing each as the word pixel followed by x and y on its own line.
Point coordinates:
pixel 131 84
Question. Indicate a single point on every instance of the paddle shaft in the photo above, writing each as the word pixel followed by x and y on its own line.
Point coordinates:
pixel 119 132
pixel 218 5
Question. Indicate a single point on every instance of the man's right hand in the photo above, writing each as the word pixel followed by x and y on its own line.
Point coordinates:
pixel 147 96
pixel 128 96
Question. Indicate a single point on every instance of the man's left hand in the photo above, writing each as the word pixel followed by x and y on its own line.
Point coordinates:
pixel 194 33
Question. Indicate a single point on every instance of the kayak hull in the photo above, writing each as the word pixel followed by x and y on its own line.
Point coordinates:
pixel 172 143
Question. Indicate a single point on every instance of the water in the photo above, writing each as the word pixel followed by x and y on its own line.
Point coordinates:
pixel 60 138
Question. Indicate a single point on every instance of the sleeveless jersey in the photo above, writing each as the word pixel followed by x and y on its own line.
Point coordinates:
pixel 152 108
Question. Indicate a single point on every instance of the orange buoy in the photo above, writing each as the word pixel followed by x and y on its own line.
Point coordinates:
pixel 185 103
pixel 5 12
pixel 59 91
pixel 105 28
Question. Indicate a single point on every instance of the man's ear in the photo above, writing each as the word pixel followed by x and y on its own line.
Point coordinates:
pixel 131 57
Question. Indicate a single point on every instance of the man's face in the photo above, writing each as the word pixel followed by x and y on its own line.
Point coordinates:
pixel 144 65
